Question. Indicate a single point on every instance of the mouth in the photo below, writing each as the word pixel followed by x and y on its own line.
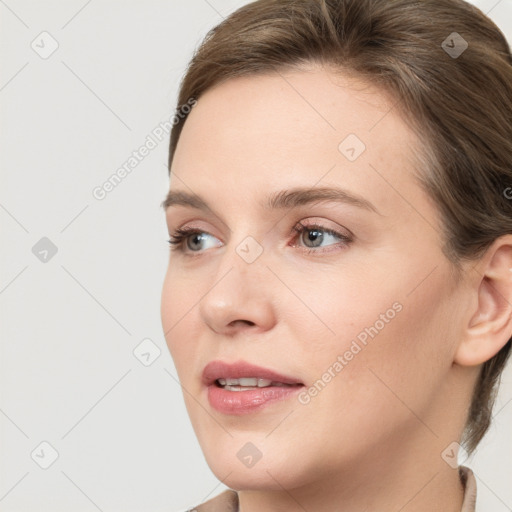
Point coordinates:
pixel 246 383
pixel 243 374
pixel 241 388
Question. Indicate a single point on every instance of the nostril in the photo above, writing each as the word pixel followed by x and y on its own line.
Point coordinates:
pixel 247 322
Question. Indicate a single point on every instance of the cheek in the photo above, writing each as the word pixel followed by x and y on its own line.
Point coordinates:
pixel 367 396
pixel 410 360
pixel 366 345
pixel 335 308
pixel 179 299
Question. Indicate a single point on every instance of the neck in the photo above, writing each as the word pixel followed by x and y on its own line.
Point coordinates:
pixel 413 482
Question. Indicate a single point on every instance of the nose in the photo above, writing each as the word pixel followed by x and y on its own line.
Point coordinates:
pixel 240 297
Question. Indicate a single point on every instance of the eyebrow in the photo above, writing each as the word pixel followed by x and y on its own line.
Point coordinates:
pixel 284 199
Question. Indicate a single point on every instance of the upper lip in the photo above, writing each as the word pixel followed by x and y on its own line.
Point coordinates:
pixel 222 370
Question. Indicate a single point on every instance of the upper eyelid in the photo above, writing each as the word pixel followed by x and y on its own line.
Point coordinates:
pixel 321 223
pixel 325 227
pixel 305 225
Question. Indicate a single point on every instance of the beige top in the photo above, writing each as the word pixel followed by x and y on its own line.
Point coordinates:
pixel 227 501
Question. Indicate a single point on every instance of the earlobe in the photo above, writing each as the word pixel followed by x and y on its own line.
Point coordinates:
pixel 490 326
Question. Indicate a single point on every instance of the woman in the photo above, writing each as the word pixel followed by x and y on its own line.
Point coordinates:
pixel 338 296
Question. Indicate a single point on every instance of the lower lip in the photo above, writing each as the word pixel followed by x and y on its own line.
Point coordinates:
pixel 243 402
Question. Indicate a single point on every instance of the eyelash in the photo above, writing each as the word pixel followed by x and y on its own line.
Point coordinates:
pixel 180 235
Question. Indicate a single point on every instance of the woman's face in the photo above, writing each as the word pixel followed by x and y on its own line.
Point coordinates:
pixel 360 309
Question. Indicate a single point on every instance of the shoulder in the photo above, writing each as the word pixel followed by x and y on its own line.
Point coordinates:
pixel 226 501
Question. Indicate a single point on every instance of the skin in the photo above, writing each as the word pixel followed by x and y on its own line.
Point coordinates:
pixel 373 438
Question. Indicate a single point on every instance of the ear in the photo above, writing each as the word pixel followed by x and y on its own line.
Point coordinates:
pixel 490 325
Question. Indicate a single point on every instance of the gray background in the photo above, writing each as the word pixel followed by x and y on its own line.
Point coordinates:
pixel 72 320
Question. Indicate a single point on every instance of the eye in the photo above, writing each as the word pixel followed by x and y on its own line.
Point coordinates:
pixel 191 237
pixel 316 235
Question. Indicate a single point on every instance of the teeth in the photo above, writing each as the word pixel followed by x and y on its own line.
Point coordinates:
pixel 237 388
pixel 252 382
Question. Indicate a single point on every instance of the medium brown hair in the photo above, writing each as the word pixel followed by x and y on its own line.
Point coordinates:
pixel 459 105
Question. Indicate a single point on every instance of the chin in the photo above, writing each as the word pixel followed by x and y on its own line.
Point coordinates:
pixel 267 473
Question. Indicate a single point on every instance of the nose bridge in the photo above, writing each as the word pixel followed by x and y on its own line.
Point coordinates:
pixel 240 269
pixel 244 255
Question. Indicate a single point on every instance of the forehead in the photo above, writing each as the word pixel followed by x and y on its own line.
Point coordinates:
pixel 295 128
